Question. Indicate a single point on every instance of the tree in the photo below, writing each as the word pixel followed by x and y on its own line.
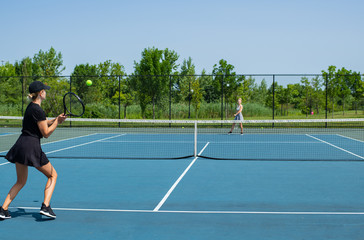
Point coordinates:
pixel 187 78
pixel 260 92
pixel 357 89
pixel 109 73
pixel 306 105
pixel 344 80
pixel 332 85
pixel 126 94
pixel 50 62
pixel 225 81
pixel 197 95
pixel 317 93
pixel 81 73
pixel 10 86
pixel 206 83
pixel 247 88
pixel 269 96
pixel 151 76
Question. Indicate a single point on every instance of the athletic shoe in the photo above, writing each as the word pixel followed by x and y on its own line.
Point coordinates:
pixel 4 214
pixel 229 133
pixel 47 211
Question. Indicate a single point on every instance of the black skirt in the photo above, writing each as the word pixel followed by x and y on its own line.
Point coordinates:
pixel 27 151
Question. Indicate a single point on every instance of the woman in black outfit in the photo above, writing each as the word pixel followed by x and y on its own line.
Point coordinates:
pixel 28 152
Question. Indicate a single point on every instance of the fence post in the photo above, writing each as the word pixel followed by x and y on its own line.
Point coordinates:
pixel 70 91
pixel 273 89
pixel 170 99
pixel 119 100
pixel 222 99
pixel 326 90
pixel 22 96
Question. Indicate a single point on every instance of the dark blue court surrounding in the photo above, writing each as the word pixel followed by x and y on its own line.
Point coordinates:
pixel 195 198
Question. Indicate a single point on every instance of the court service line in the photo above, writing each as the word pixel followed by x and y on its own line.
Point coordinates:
pixel 198 212
pixel 66 139
pixel 56 142
pixel 164 199
pixel 350 138
pixel 336 146
pixel 242 142
pixel 128 141
pixel 7 134
pixel 83 144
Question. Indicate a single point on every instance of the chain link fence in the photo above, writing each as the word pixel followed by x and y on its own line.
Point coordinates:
pixel 280 96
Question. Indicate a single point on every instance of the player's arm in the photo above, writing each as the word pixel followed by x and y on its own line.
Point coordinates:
pixel 45 129
pixel 50 122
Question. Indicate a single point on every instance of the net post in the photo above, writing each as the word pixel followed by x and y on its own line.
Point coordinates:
pixel 195 140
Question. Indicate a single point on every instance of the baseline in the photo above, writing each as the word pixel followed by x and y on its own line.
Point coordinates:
pixel 198 212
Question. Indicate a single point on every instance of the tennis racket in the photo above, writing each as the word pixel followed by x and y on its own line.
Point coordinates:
pixel 73 105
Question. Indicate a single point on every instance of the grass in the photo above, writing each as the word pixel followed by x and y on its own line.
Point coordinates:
pixel 207 111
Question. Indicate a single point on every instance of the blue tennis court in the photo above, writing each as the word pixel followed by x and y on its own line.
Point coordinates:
pixel 314 191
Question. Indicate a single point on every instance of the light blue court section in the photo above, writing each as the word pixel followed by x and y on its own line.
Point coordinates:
pixel 179 226
pixel 270 186
pixel 6 134
pixel 350 145
pixel 100 184
pixel 281 147
pixel 123 146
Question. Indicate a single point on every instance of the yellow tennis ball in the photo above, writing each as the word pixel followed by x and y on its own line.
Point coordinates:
pixel 88 82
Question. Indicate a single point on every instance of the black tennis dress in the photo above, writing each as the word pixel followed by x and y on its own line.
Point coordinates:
pixel 27 149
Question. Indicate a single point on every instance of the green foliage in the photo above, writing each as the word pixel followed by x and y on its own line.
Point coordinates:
pixel 50 62
pixel 156 85
pixel 151 79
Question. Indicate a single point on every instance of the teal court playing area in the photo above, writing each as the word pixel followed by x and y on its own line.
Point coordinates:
pixel 178 180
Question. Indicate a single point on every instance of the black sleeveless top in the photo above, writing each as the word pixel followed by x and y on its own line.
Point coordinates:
pixel 27 149
pixel 33 114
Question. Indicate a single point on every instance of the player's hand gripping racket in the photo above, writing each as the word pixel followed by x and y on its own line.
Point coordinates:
pixel 73 105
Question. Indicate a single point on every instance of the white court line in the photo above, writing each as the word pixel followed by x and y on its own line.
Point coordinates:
pixel 62 140
pixel 350 138
pixel 242 142
pixel 335 146
pixel 164 199
pixel 7 134
pixel 198 212
pixel 265 142
pixel 58 150
pixel 83 144
pixel 172 142
pixel 66 139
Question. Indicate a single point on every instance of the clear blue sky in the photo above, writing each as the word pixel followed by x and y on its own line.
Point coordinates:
pixel 255 36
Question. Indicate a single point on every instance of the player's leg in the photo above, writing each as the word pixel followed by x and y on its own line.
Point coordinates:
pixel 232 128
pixel 241 127
pixel 22 176
pixel 49 171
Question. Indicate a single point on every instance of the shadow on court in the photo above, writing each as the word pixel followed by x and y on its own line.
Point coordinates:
pixel 35 214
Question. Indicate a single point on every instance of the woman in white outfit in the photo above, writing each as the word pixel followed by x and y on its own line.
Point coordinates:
pixel 238 116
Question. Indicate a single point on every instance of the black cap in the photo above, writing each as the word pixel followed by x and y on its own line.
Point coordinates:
pixel 37 86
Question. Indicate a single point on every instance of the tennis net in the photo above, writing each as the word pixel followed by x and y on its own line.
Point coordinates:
pixel 263 140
